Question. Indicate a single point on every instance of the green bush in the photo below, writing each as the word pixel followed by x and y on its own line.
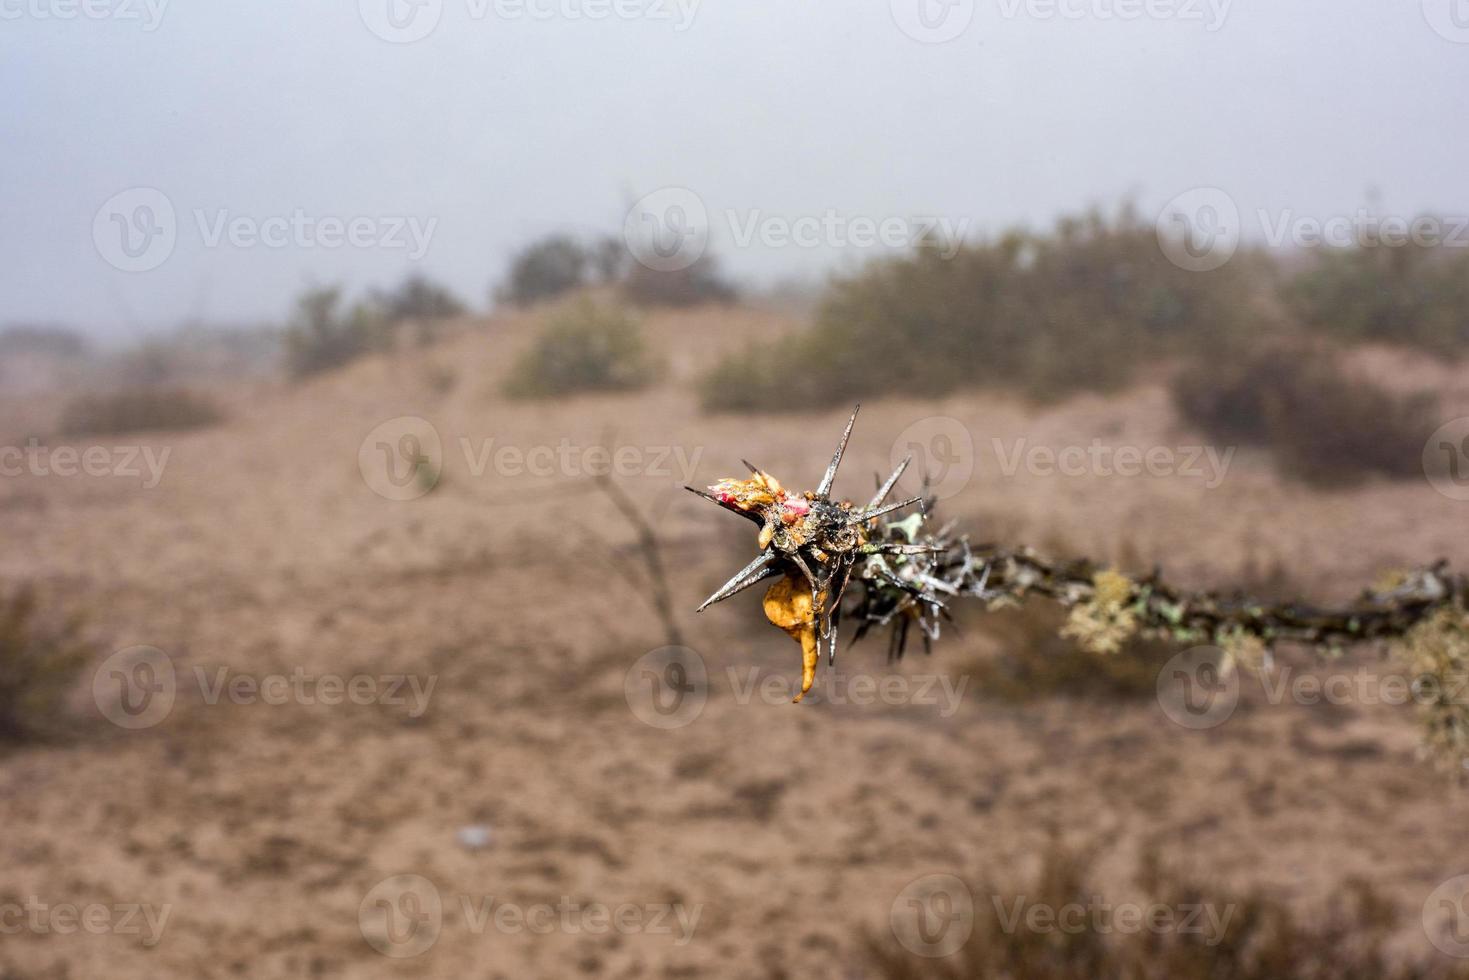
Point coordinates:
pixel 585 347
pixel 321 336
pixel 140 409
pixel 1322 424
pixel 1403 294
pixel 700 283
pixel 39 664
pixel 418 298
pixel 1043 315
pixel 545 269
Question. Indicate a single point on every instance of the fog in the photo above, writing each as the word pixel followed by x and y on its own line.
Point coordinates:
pixel 318 142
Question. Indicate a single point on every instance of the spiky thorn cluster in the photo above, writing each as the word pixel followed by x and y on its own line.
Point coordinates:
pixel 906 576
pixel 812 542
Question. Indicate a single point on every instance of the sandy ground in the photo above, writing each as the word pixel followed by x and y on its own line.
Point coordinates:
pixel 266 830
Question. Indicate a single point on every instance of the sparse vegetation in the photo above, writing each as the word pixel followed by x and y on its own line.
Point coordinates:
pixel 1042 315
pixel 584 347
pixel 1322 423
pixel 1239 936
pixel 1400 294
pixel 39 664
pixel 323 336
pixel 699 283
pixel 139 409
pixel 418 298
pixel 545 269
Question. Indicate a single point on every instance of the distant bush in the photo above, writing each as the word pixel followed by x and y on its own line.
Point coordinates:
pixel 140 409
pixel 545 269
pixel 1258 939
pixel 1402 294
pixel 418 298
pixel 699 283
pixel 586 347
pixel 558 264
pixel 1036 661
pixel 1042 315
pixel 39 664
pixel 322 336
pixel 45 339
pixel 1322 424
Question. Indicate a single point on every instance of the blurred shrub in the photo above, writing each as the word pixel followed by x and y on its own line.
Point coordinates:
pixel 1323 424
pixel 321 336
pixel 1216 934
pixel 1405 294
pixel 701 282
pixel 545 269
pixel 52 341
pixel 585 347
pixel 39 664
pixel 418 298
pixel 140 409
pixel 1036 661
pixel 1043 315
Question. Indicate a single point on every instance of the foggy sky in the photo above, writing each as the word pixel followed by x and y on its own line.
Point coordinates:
pixel 507 122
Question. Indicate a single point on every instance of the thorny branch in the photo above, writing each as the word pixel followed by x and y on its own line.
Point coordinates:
pixel 839 561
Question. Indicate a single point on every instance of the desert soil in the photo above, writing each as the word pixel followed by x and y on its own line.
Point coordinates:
pixel 264 550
